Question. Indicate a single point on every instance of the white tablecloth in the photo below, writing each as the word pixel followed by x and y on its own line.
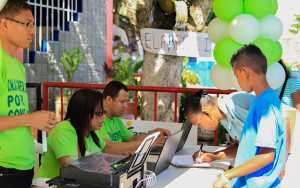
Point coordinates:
pixel 188 177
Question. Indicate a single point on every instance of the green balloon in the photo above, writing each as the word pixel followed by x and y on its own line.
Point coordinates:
pixel 278 51
pixel 224 50
pixel 259 8
pixel 272 50
pixel 228 9
pixel 274 7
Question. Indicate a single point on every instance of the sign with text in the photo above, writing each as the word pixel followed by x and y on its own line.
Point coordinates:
pixel 177 43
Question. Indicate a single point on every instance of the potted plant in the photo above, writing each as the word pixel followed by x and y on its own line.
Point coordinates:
pixel 70 61
pixel 126 69
pixel 125 66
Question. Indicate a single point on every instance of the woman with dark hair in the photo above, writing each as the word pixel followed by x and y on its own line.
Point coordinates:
pixel 289 92
pixel 207 112
pixel 75 136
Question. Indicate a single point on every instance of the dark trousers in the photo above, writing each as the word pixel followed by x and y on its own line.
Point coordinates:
pixel 13 178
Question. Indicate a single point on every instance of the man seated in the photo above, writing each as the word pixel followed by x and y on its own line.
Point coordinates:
pixel 114 132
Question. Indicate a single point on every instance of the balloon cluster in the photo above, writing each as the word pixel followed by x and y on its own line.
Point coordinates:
pixel 241 22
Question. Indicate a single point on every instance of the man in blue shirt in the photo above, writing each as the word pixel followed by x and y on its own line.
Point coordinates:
pixel 261 152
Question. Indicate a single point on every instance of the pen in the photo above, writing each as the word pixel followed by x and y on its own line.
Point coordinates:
pixel 200 151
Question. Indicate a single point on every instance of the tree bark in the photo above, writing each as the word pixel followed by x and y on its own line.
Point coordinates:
pixel 165 71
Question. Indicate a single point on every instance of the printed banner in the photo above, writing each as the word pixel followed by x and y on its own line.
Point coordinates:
pixel 177 43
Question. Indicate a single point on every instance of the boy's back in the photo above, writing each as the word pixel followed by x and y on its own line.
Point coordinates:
pixel 264 128
pixel 261 153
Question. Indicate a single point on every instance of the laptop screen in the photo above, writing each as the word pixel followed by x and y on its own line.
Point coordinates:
pixel 167 152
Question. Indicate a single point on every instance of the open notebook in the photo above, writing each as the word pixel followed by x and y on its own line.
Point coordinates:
pixel 187 161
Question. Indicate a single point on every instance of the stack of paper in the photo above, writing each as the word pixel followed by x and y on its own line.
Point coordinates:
pixel 187 161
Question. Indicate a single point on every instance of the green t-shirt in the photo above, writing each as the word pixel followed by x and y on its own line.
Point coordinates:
pixel 16 145
pixel 62 141
pixel 114 130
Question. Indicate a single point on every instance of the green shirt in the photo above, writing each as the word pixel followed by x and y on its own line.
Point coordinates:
pixel 115 130
pixel 16 145
pixel 62 141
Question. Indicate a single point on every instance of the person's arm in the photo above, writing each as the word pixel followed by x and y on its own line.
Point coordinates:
pixel 296 99
pixel 121 148
pixel 125 148
pixel 264 158
pixel 163 133
pixel 261 160
pixel 229 152
pixel 63 142
pixel 65 161
pixel 41 120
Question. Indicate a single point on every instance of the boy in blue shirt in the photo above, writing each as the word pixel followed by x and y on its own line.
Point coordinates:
pixel 261 152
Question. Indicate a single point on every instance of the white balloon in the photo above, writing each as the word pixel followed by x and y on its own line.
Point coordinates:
pixel 221 77
pixel 244 28
pixel 2 4
pixel 270 27
pixel 275 75
pixel 217 29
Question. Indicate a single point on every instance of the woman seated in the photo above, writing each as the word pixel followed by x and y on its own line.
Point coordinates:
pixel 75 136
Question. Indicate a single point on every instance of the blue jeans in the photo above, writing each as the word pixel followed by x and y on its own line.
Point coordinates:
pixel 13 178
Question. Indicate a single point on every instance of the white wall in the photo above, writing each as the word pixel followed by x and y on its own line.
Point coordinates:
pixel 289 41
pixel 89 33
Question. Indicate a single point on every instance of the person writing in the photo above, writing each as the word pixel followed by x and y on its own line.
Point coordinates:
pixel 16 140
pixel 207 112
pixel 261 152
pixel 75 136
pixel 114 131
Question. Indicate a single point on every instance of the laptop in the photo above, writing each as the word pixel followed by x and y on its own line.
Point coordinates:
pixel 165 157
pixel 186 128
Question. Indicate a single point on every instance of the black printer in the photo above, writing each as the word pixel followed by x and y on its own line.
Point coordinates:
pixel 106 170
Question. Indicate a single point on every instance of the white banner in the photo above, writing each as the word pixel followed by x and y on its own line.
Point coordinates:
pixel 178 43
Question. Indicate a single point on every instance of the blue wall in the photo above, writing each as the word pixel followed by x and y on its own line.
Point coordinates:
pixel 202 68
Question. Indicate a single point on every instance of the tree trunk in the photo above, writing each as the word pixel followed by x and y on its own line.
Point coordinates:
pixel 163 70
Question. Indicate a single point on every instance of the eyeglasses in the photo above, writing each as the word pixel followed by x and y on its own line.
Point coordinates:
pixel 29 24
pixel 98 113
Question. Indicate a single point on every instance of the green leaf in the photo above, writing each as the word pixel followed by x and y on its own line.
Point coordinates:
pixel 71 60
pixel 138 66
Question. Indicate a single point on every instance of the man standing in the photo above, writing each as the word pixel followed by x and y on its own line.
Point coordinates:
pixel 16 140
pixel 261 152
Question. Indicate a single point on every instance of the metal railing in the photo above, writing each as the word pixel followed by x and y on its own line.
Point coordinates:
pixel 136 89
pixel 38 94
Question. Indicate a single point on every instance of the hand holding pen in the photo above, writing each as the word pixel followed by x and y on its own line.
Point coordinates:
pixel 201 156
pixel 199 153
